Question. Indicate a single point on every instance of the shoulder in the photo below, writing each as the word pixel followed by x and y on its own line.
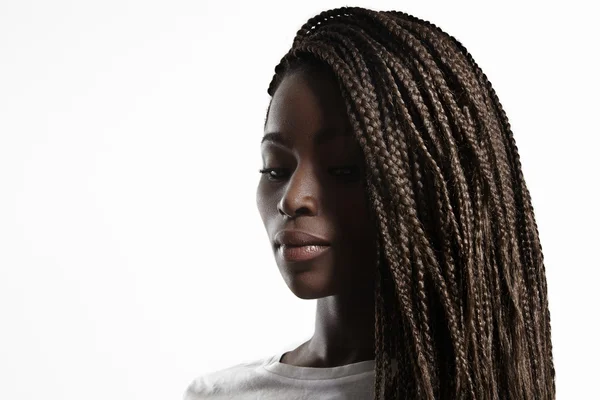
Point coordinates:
pixel 225 382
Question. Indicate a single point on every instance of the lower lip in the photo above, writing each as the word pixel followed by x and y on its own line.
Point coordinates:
pixel 301 253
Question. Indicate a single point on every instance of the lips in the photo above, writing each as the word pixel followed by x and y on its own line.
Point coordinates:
pixel 290 238
pixel 301 253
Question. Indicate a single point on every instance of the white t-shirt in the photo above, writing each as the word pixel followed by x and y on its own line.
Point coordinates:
pixel 269 379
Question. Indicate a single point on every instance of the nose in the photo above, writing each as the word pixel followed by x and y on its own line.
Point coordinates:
pixel 301 194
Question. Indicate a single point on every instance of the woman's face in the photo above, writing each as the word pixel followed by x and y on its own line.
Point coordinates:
pixel 317 186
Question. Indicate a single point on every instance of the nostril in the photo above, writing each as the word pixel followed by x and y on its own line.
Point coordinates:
pixel 299 211
pixel 302 210
pixel 282 213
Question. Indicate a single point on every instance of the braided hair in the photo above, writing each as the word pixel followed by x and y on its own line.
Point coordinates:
pixel 461 296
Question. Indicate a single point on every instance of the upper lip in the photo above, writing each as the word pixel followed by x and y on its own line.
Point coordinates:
pixel 298 238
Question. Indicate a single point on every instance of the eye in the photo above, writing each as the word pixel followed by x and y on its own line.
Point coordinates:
pixel 344 170
pixel 270 175
pixel 347 172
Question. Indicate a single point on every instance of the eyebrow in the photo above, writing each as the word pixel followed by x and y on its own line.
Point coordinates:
pixel 321 137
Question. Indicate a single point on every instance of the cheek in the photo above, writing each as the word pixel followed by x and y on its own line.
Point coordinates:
pixel 261 203
pixel 353 217
pixel 266 203
pixel 358 252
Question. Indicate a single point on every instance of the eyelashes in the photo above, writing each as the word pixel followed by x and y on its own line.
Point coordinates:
pixel 267 172
pixel 346 172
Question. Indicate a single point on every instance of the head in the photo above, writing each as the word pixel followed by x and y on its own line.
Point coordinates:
pixel 433 211
pixel 313 181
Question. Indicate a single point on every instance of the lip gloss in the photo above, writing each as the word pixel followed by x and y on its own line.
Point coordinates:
pixel 301 253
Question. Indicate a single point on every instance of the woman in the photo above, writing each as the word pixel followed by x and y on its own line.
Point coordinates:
pixel 392 192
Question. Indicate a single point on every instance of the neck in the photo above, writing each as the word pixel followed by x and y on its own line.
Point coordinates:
pixel 344 328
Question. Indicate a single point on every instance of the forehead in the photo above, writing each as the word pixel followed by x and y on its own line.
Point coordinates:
pixel 321 136
pixel 307 104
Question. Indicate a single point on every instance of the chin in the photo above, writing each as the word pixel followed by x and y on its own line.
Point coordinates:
pixel 310 293
pixel 309 285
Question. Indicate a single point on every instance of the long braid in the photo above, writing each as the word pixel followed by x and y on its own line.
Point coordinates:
pixel 461 296
pixel 529 237
pixel 419 289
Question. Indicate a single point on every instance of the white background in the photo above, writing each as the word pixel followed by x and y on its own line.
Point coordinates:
pixel 132 255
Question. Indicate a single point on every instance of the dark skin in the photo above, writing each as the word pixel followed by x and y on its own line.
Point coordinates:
pixel 319 187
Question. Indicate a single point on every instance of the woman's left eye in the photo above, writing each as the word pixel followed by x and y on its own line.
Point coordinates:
pixel 344 171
